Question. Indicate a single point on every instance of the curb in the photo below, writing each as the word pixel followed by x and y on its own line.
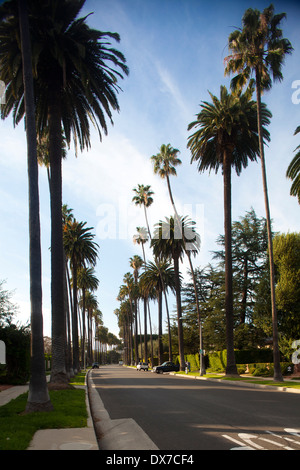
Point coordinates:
pixel 240 383
pixel 116 434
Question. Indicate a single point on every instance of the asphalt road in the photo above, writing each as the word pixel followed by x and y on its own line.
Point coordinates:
pixel 187 414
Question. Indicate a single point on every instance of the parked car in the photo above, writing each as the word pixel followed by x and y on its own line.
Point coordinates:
pixel 95 365
pixel 142 366
pixel 166 367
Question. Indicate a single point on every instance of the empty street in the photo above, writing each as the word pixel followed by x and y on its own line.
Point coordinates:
pixel 182 413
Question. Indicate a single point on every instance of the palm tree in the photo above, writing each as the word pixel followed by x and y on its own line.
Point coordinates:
pixel 124 315
pixel 38 398
pixel 151 279
pixel 98 318
pixel 126 295
pixel 80 248
pixel 293 171
pixel 259 48
pixel 76 74
pixel 170 237
pixel 227 137
pixel 86 280
pixel 91 305
pixel 136 263
pixel 141 237
pixel 164 164
pixel 143 198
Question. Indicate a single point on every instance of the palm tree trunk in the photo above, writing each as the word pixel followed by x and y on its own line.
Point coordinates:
pixel 202 364
pixel 58 372
pixel 83 358
pixel 169 327
pixel 276 354
pixel 150 324
pixel 136 352
pixel 201 353
pixel 160 346
pixel 231 368
pixel 145 331
pixel 38 398
pixel 70 321
pixel 179 313
pixel 76 365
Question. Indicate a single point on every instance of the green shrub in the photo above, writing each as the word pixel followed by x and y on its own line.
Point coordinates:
pixel 17 341
pixel 218 360
pixel 263 370
pixel 241 368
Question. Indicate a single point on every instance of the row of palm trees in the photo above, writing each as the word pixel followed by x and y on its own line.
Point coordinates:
pixel 228 133
pixel 172 239
pixel 62 75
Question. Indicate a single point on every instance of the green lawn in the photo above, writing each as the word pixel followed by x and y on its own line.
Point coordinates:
pixel 17 429
pixel 286 383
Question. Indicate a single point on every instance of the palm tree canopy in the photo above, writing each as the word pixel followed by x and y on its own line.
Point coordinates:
pixel 141 237
pixel 151 279
pixel 136 262
pixel 70 60
pixel 173 236
pixel 87 279
pixel 43 148
pixel 293 171
pixel 259 45
pixel 166 160
pixel 79 244
pixel 143 195
pixel 228 123
pixel 91 302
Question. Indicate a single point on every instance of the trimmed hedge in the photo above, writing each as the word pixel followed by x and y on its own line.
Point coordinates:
pixel 218 359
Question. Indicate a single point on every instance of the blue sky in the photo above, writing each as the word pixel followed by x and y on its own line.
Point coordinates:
pixel 175 50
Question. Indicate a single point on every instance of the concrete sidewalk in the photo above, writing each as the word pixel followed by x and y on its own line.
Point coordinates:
pixel 58 439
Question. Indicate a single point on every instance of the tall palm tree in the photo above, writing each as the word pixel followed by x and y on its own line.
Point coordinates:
pixel 91 305
pixel 165 163
pixel 151 279
pixel 143 198
pixel 170 237
pixel 38 398
pixel 126 295
pixel 124 314
pixel 86 280
pixel 76 72
pixel 259 48
pixel 80 248
pixel 98 317
pixel 141 237
pixel 227 136
pixel 293 171
pixel 136 263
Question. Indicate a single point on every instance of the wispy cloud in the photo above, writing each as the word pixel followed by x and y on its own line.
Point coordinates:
pixel 171 87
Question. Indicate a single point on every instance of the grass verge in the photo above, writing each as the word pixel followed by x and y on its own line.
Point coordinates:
pixel 286 383
pixel 17 429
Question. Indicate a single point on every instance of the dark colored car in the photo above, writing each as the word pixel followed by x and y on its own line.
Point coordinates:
pixel 166 367
pixel 95 365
